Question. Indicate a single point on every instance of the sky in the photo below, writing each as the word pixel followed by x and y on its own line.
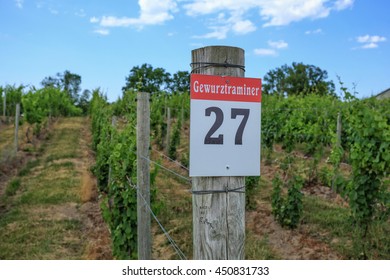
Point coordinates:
pixel 102 40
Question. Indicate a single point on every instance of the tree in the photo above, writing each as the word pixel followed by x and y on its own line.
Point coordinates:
pixel 84 100
pixel 180 82
pixel 51 82
pixel 147 79
pixel 298 79
pixel 71 84
pixel 68 82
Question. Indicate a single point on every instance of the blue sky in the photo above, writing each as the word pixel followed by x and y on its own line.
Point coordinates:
pixel 102 40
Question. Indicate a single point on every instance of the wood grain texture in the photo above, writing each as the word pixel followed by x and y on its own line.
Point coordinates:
pixel 218 218
pixel 143 177
pixel 16 139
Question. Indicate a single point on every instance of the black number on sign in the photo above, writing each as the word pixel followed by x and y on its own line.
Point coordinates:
pixel 240 131
pixel 217 124
pixel 209 139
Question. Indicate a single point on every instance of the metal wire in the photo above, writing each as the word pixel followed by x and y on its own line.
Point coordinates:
pixel 226 190
pixel 170 239
pixel 203 65
pixel 170 159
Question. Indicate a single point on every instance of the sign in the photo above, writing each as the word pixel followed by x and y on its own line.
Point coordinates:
pixel 225 126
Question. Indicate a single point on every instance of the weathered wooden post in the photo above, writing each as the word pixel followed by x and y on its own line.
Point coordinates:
pixel 17 113
pixel 143 177
pixel 168 139
pixel 338 146
pixel 218 217
pixel 339 129
pixel 4 105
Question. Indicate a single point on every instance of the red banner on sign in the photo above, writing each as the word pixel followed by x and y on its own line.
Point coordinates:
pixel 225 88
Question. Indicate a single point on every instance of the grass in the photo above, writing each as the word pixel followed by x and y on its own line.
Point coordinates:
pixel 41 220
pixel 258 249
pixel 174 214
pixel 28 167
pixel 13 187
pixel 39 238
pixel 336 228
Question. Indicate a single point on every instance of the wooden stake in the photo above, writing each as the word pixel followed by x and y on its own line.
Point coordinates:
pixel 4 105
pixel 17 113
pixel 218 218
pixel 143 177
pixel 168 140
pixel 339 129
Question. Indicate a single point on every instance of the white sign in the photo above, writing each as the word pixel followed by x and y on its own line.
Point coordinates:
pixel 225 126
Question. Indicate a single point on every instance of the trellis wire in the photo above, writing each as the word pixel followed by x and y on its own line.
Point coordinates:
pixel 167 235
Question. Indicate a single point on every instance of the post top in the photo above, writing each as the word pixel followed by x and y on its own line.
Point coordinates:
pixel 219 47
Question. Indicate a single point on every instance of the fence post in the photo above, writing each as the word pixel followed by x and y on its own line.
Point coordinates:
pixel 17 113
pixel 143 177
pixel 218 218
pixel 339 129
pixel 4 105
pixel 168 140
pixel 338 146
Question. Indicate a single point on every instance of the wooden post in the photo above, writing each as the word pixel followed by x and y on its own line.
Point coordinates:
pixel 168 140
pixel 339 129
pixel 17 113
pixel 143 177
pixel 4 105
pixel 338 145
pixel 218 218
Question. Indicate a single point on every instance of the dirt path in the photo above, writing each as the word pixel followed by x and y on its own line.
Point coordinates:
pixel 55 212
pixel 99 241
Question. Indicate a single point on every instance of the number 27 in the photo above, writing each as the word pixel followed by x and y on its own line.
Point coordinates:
pixel 218 140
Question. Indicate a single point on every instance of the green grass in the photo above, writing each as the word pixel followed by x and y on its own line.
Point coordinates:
pixel 258 249
pixel 13 187
pixel 28 167
pixel 59 156
pixel 40 239
pixel 40 219
pixel 333 225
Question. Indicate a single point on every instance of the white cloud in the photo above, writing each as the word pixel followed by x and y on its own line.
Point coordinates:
pixel 280 12
pixel 274 12
pixel 312 32
pixel 80 13
pixel 265 52
pixel 243 27
pixel 102 31
pixel 19 4
pixel 53 11
pixel 151 13
pixel 343 4
pixel 219 32
pixel 222 25
pixel 94 20
pixel 370 42
pixel 278 44
pixel 229 16
pixel 273 47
